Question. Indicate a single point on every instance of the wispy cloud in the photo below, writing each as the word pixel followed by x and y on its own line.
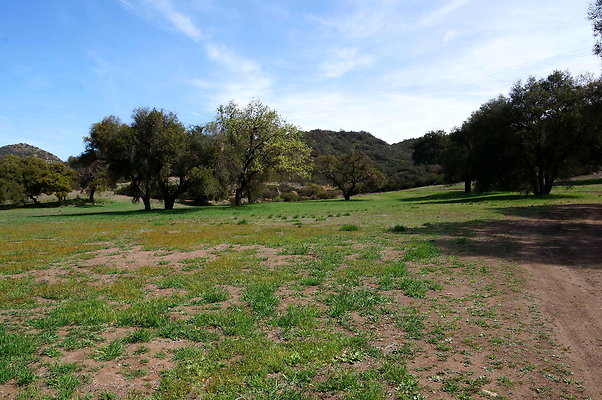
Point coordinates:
pixel 179 21
pixel 439 14
pixel 345 60
pixel 168 12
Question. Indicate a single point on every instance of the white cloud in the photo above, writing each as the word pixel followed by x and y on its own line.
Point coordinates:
pixel 345 60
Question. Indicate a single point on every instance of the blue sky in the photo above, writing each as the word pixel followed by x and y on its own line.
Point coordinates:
pixel 395 68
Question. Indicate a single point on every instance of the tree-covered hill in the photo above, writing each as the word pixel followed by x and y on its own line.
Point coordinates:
pixel 395 160
pixel 26 150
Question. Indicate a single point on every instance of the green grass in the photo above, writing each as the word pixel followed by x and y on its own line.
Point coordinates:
pixel 365 299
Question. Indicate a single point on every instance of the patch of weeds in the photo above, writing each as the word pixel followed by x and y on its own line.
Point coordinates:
pixel 62 379
pixel 296 249
pixel 407 384
pixel 80 338
pixel 412 287
pixel 420 250
pixel 346 300
pixel 407 351
pixel 174 281
pixel 261 298
pixel 125 289
pixel 232 321
pixel 461 385
pixel 313 280
pixel 412 322
pixel 397 229
pixel 146 313
pixel 52 352
pixel 297 316
pixel 77 312
pixel 177 330
pixel 187 353
pixel 349 228
pixel 372 253
pixel 343 379
pixel 214 294
pixel 16 352
pixel 242 222
pixel 110 352
pixel 139 336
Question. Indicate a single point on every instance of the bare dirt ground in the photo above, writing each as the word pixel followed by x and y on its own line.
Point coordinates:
pixel 562 255
pixel 560 250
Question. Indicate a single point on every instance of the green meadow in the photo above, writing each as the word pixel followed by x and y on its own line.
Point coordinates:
pixel 402 295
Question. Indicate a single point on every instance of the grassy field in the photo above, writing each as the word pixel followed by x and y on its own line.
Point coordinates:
pixel 389 296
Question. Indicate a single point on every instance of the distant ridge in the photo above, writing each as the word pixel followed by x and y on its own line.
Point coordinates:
pixel 26 150
pixel 395 160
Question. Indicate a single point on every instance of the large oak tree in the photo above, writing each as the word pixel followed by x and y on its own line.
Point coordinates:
pixel 256 144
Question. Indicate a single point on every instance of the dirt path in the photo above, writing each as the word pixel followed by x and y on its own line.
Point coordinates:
pixel 561 252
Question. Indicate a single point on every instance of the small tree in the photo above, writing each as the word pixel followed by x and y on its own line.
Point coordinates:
pixel 352 173
pixel 255 143
pixel 93 173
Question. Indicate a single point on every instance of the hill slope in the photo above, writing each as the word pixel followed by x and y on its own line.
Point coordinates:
pixel 395 160
pixel 25 150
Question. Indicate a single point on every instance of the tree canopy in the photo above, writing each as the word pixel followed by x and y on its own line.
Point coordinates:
pixel 255 144
pixel 543 130
pixel 352 173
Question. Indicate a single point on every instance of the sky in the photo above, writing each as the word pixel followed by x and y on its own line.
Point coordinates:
pixel 394 68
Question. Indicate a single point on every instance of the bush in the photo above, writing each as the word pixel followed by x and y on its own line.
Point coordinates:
pixel 398 229
pixel 291 196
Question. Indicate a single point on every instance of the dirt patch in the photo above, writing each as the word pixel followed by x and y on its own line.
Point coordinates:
pixel 559 249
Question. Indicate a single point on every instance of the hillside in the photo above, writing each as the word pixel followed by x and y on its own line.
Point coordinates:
pixel 25 150
pixel 395 160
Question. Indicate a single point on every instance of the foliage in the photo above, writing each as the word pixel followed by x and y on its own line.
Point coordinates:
pixel 352 173
pixel 553 123
pixel 29 177
pixel 595 15
pixel 428 148
pixel 156 154
pixel 255 143
pixel 543 130
pixel 92 172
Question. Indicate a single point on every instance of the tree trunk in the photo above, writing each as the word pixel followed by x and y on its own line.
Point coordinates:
pixel 91 195
pixel 35 199
pixel 467 185
pixel 169 203
pixel 250 196
pixel 238 197
pixel 347 196
pixel 147 202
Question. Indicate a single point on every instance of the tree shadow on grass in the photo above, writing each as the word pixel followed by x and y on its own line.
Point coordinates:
pixel 130 213
pixel 453 197
pixel 580 182
pixel 555 235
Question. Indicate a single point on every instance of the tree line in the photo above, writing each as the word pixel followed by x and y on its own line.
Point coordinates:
pixel 233 155
pixel 543 130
